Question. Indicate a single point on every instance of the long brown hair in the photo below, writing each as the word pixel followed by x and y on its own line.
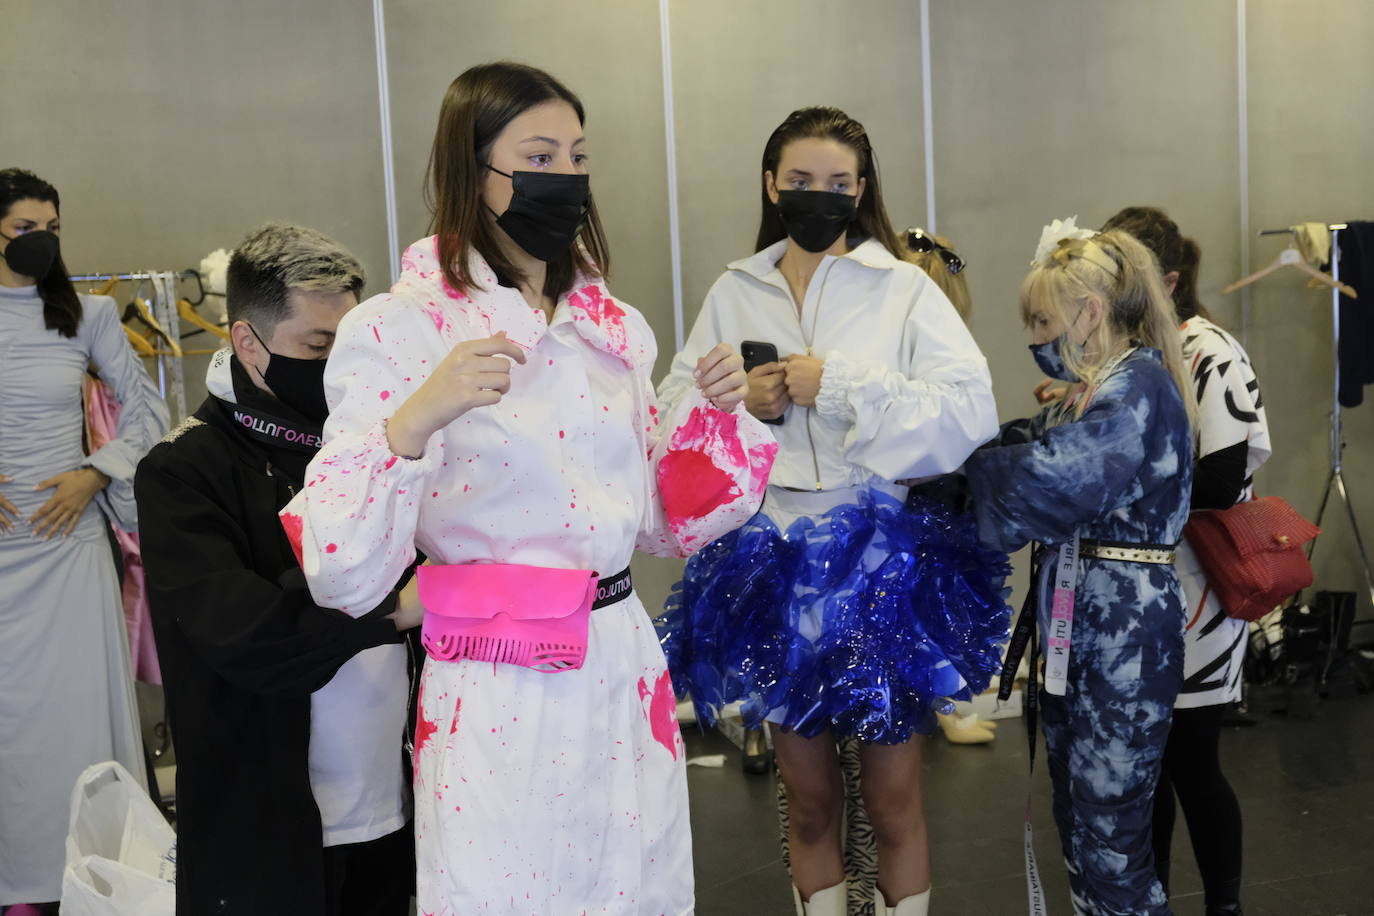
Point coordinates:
pixel 477 107
pixel 828 124
pixel 1174 251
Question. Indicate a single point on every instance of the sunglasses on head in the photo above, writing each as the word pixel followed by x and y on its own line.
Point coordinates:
pixel 921 241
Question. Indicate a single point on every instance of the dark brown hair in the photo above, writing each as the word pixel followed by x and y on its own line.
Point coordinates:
pixel 1153 228
pixel 477 107
pixel 61 305
pixel 828 124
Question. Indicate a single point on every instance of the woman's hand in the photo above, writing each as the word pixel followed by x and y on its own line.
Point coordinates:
pixel 476 373
pixel 720 376
pixel 8 514
pixel 1045 394
pixel 803 378
pixel 767 398
pixel 75 490
pixel 410 612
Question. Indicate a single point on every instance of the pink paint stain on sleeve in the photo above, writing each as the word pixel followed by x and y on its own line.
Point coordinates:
pixel 761 458
pixel 294 526
pixel 661 711
pixel 376 333
pixel 457 708
pixel 692 486
pixel 384 395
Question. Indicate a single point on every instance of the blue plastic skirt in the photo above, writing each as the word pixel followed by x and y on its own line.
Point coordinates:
pixel 865 621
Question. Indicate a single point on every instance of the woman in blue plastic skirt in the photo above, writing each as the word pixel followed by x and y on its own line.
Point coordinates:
pixel 837 610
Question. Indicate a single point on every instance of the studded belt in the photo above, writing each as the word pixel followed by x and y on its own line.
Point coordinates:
pixel 1162 554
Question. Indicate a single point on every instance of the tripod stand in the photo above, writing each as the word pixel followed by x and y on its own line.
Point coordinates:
pixel 1337 476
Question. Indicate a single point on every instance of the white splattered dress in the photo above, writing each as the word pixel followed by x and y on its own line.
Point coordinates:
pixel 536 793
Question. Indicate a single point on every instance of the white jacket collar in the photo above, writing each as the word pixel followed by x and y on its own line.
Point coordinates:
pixel 594 313
pixel 869 253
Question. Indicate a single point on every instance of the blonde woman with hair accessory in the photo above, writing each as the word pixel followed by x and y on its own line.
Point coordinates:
pixel 1101 481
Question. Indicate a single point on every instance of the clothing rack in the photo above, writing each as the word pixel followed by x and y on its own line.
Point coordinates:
pixel 187 274
pixel 171 379
pixel 1336 475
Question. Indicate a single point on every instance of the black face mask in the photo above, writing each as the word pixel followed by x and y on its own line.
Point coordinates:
pixel 545 212
pixel 815 219
pixel 32 254
pixel 297 383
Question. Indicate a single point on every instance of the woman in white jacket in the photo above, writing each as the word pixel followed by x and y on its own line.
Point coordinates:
pixel 494 410
pixel 837 610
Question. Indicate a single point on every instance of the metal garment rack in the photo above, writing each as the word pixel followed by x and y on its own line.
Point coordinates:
pixel 1336 477
pixel 170 371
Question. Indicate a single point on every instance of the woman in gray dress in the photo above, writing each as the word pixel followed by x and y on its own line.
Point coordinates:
pixel 66 697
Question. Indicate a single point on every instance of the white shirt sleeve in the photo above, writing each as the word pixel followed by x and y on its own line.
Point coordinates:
pixel 921 419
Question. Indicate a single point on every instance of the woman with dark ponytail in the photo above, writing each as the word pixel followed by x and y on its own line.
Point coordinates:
pixel 842 609
pixel 66 697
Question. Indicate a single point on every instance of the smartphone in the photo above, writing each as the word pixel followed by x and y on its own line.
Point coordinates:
pixel 757 353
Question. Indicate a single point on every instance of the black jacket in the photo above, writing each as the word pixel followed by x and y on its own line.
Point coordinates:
pixel 242 647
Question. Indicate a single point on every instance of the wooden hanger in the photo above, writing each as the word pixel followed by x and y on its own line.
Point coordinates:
pixel 147 318
pixel 141 345
pixel 105 288
pixel 1291 257
pixel 189 314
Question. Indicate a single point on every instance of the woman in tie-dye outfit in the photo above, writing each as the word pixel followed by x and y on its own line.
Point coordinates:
pixel 1108 467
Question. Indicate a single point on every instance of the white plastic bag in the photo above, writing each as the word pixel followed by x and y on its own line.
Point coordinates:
pixel 121 852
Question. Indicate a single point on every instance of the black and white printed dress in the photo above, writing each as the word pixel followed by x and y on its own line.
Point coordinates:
pixel 1233 443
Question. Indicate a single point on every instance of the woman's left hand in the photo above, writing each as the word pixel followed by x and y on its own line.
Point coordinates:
pixel 720 376
pixel 75 490
pixel 804 378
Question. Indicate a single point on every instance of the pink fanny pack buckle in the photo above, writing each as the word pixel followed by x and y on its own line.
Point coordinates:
pixel 530 616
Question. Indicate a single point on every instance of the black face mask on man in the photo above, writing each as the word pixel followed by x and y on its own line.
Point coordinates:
pixel 815 219
pixel 297 383
pixel 32 254
pixel 546 211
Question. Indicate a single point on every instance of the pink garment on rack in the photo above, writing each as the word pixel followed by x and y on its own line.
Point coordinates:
pixel 102 420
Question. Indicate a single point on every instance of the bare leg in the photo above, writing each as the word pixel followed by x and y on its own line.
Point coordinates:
pixel 892 794
pixel 810 772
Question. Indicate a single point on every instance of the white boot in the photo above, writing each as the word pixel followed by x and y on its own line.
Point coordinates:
pixel 915 905
pixel 829 901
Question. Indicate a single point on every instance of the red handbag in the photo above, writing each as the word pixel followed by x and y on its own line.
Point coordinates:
pixel 1252 554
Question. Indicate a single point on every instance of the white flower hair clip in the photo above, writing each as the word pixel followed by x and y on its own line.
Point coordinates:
pixel 1053 234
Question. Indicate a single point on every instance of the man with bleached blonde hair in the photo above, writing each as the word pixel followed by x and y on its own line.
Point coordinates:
pixel 288 718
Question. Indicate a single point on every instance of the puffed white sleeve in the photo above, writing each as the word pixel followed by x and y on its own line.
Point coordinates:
pixel 353 524
pixel 707 468
pixel 920 419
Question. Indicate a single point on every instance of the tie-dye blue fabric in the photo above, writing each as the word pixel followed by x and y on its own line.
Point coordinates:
pixel 1122 471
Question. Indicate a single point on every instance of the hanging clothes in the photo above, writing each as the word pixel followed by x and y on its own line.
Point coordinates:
pixel 102 425
pixel 1357 315
pixel 66 694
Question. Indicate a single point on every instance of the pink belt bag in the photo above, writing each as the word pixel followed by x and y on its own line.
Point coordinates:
pixel 519 615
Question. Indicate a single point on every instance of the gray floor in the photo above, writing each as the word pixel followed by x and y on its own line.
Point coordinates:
pixel 1306 788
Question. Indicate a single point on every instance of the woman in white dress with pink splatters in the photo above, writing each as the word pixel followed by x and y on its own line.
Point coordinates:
pixel 496 408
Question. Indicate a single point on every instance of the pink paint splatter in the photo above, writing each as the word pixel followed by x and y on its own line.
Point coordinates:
pixel 376 333
pixel 389 462
pixel 661 713
pixel 589 305
pixel 457 708
pixel 330 548
pixel 760 465
pixel 384 395
pixel 294 526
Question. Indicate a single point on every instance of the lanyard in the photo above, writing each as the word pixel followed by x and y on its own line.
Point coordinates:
pixel 1060 635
